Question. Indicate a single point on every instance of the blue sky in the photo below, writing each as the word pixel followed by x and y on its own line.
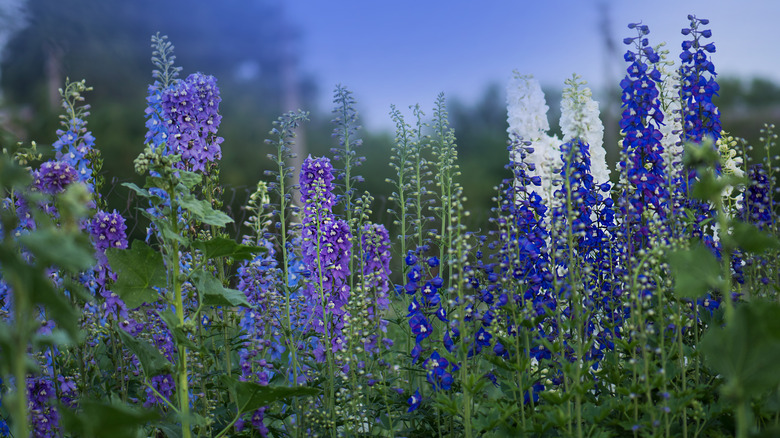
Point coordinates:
pixel 404 52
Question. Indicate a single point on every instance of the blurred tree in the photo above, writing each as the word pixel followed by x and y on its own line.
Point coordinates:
pixel 249 46
pixel 746 105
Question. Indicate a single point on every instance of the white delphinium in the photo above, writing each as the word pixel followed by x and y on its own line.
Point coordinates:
pixel 527 117
pixel 731 163
pixel 672 126
pixel 580 119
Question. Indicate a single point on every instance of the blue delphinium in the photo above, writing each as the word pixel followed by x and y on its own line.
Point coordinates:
pixel 700 117
pixel 756 207
pixel 642 164
pixel 522 295
pixel 587 214
pixel 4 430
pixel 414 401
pixel 165 74
pixel 75 144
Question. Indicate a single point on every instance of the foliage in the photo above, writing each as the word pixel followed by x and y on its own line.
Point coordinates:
pixel 644 308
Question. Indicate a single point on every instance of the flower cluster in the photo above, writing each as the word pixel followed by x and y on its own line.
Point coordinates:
pixel 190 109
pixel 375 247
pixel 697 84
pixel 44 417
pixel 422 312
pixel 580 119
pixel 326 251
pixel 108 230
pixel 156 130
pixel 756 205
pixel 642 166
pixel 74 146
pixel 527 118
pixel 54 176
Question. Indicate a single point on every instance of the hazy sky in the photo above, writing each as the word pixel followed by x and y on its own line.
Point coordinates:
pixel 404 52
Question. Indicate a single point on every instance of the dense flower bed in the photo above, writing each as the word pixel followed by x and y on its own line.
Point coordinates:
pixel 639 302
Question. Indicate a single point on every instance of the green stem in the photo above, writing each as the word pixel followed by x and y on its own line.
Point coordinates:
pixel 182 385
pixel 743 423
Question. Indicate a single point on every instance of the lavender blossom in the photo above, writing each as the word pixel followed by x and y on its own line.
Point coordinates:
pixel 190 109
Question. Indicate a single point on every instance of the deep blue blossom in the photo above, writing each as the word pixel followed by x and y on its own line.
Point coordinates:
pixel 437 373
pixel 700 117
pixel 642 165
pixel 414 401
pixel 756 206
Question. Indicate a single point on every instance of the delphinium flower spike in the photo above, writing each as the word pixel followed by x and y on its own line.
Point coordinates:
pixel 580 119
pixel 191 113
pixel 527 118
pixel 75 144
pixel 697 84
pixel 700 116
pixel 165 73
pixel 642 167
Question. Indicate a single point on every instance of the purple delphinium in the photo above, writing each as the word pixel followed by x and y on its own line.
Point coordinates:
pixel 258 281
pixel 44 418
pixel 326 251
pixel 54 176
pixel 190 109
pixel 756 208
pixel 375 247
pixel 165 385
pixel 108 230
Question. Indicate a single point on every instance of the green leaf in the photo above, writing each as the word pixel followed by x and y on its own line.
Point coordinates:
pixel 213 293
pixel 251 396
pixel 223 247
pixel 58 307
pixel 152 361
pixel 204 212
pixel 99 420
pixel 12 175
pixel 747 351
pixel 139 191
pixel 179 336
pixel 189 179
pixel 750 239
pixel 53 246
pixel 139 269
pixel 166 229
pixel 695 271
